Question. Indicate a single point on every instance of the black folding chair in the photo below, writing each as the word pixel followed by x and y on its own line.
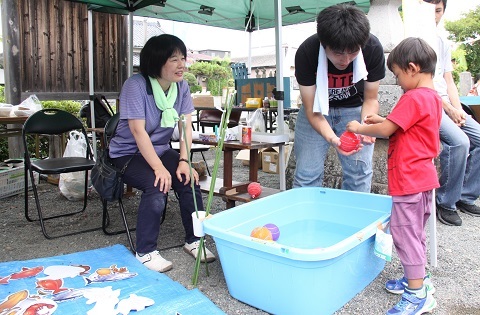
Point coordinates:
pixel 53 122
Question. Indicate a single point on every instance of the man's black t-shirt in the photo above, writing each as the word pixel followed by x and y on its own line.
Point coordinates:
pixel 342 92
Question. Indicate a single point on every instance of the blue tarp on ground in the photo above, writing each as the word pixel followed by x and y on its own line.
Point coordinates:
pixel 81 283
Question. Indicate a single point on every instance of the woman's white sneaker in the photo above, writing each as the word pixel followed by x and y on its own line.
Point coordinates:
pixel 154 261
pixel 192 249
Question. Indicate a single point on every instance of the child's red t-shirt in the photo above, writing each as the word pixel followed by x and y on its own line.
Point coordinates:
pixel 412 147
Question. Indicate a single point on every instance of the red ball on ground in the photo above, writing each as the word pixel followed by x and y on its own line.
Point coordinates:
pixel 254 189
pixel 349 141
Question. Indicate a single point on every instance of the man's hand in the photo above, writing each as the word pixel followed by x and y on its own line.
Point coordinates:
pixel 458 116
pixel 336 144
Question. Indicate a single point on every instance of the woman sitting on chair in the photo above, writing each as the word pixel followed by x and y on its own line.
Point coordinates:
pixel 150 105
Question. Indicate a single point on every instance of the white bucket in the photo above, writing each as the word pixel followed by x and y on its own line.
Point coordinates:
pixel 198 223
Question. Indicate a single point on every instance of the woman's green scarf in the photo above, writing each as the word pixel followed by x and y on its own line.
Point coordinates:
pixel 165 103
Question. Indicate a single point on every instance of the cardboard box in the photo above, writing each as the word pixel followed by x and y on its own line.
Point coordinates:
pixel 12 181
pixel 270 163
pixel 203 100
pixel 244 155
pixel 253 102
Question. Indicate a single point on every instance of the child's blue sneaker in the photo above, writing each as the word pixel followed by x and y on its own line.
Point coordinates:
pixel 397 286
pixel 410 304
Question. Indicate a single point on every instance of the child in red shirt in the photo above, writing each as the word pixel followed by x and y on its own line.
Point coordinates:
pixel 414 140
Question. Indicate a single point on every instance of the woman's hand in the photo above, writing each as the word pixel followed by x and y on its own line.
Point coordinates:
pixel 163 179
pixel 183 168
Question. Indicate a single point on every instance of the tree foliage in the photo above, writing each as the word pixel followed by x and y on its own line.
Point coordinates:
pixel 2 94
pixel 192 82
pixel 466 32
pixel 217 73
pixel 460 64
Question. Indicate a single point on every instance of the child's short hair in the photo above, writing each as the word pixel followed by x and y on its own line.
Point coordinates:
pixel 415 50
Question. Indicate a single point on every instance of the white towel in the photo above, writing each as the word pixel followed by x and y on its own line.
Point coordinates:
pixel 321 103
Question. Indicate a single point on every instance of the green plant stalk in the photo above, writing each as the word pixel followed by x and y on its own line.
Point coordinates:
pixel 218 153
pixel 182 118
pixel 192 185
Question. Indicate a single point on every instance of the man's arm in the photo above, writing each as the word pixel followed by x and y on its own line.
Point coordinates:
pixel 318 122
pixel 454 107
pixel 370 104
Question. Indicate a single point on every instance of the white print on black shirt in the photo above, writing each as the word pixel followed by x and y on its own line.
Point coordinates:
pixel 338 94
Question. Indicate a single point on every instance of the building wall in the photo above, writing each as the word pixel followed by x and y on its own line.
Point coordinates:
pixel 54 48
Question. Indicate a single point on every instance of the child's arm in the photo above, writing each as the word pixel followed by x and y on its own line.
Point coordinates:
pixel 379 127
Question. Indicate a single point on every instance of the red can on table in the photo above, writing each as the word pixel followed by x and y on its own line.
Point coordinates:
pixel 246 134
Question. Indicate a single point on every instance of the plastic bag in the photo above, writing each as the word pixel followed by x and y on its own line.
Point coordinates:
pixel 383 243
pixel 72 184
pixel 256 121
pixel 32 103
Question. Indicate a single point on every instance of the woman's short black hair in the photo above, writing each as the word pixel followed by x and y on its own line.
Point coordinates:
pixel 156 52
pixel 413 50
pixel 343 27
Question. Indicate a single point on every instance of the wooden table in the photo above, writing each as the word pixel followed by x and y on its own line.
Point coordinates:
pixel 12 120
pixel 229 189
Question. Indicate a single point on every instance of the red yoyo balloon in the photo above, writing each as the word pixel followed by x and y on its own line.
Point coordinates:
pixel 349 141
pixel 254 189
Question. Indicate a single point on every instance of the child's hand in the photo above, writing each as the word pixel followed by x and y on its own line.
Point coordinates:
pixel 352 126
pixel 373 119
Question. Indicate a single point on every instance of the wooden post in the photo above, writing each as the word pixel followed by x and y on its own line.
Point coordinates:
pixel 12 53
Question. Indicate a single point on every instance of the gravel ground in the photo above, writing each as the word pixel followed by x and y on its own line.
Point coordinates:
pixel 457 277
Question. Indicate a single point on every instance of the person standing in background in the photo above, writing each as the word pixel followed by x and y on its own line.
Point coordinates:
pixel 475 90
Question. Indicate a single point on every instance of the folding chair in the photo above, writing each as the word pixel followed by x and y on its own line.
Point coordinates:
pixel 109 132
pixel 53 122
pixel 212 118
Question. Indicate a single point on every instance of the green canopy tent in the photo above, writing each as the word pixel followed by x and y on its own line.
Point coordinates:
pixel 246 15
pixel 222 13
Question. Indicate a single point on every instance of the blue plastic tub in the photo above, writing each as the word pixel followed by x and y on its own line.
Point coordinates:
pixel 322 259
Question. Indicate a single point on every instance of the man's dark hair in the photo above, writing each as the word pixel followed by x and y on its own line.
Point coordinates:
pixel 413 50
pixel 342 28
pixel 437 2
pixel 156 52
